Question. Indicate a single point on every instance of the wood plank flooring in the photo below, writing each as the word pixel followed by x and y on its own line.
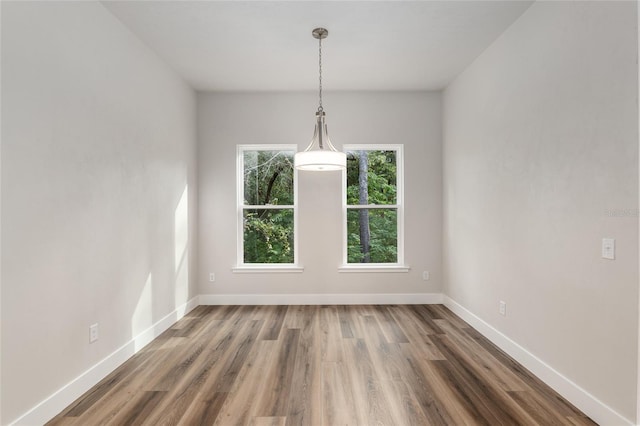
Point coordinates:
pixel 321 365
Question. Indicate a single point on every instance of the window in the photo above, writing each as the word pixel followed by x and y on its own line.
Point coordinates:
pixel 267 214
pixel 373 207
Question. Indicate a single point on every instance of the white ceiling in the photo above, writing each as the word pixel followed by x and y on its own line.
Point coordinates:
pixel 267 45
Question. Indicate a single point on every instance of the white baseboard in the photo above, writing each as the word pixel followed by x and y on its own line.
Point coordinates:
pixel 587 403
pixel 321 299
pixel 54 404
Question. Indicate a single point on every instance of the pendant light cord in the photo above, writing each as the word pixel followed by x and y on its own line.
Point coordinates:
pixel 320 109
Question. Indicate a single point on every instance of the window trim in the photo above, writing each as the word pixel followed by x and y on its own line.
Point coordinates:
pixel 400 265
pixel 241 266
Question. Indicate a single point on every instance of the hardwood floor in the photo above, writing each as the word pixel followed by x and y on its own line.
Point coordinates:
pixel 321 365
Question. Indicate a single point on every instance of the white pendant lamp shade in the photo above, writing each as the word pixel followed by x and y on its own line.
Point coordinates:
pixel 320 155
pixel 320 161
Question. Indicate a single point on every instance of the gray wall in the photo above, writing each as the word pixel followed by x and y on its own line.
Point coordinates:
pixel 98 154
pixel 227 119
pixel 540 144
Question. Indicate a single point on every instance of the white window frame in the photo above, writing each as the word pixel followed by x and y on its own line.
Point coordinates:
pixel 399 266
pixel 242 267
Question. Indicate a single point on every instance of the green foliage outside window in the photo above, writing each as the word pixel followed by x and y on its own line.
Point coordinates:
pixel 383 239
pixel 381 177
pixel 372 233
pixel 268 236
pixel 268 181
pixel 268 178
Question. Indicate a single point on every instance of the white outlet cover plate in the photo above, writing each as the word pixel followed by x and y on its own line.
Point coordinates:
pixel 93 333
pixel 503 308
pixel 609 248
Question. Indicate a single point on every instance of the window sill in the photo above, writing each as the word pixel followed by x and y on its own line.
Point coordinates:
pixel 373 268
pixel 275 269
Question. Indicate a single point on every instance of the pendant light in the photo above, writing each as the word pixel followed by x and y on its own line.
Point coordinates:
pixel 320 155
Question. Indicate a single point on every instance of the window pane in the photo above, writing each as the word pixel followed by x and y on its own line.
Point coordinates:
pixel 372 236
pixel 268 236
pixel 371 177
pixel 268 177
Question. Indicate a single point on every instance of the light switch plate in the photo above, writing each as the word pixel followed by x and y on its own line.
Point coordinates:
pixel 608 248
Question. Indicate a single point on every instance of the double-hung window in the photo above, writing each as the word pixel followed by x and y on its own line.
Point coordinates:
pixel 267 212
pixel 373 210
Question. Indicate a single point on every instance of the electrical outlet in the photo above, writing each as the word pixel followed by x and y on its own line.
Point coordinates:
pixel 93 333
pixel 212 277
pixel 426 275
pixel 608 248
pixel 503 308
